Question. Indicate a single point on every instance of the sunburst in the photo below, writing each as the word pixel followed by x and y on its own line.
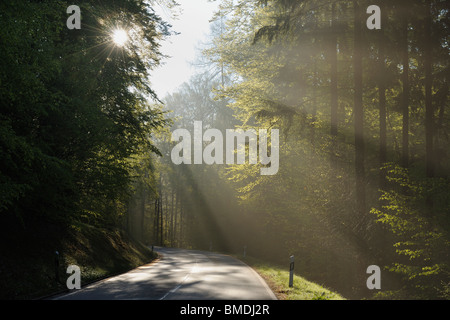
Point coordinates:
pixel 119 37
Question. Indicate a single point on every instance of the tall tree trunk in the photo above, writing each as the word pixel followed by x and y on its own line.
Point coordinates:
pixel 429 110
pixel 429 113
pixel 166 222
pixel 142 227
pixel 181 222
pixel 333 85
pixel 175 224
pixel 172 209
pixel 405 94
pixel 128 227
pixel 314 105
pixel 156 223
pixel 161 235
pixel 382 101
pixel 359 112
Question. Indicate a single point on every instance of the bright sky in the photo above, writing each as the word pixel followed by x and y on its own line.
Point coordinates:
pixel 193 26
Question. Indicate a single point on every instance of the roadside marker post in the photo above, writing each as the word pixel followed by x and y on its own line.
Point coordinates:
pixel 291 272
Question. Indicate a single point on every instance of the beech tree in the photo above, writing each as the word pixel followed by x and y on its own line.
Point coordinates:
pixel 75 108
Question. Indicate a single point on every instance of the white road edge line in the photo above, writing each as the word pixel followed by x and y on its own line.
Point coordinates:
pixel 263 282
pixel 176 288
pixel 181 283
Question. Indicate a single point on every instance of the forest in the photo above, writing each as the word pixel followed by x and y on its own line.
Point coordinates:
pixel 363 148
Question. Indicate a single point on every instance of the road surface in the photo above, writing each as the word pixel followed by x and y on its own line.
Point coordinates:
pixel 181 275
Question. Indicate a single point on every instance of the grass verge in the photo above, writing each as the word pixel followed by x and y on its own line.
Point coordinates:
pixel 277 279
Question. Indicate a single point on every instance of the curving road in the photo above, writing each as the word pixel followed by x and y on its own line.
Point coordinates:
pixel 181 275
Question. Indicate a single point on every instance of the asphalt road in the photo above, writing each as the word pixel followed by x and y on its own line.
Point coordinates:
pixel 181 275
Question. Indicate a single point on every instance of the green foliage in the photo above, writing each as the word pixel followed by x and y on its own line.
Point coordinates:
pixel 74 108
pixel 421 239
pixel 279 55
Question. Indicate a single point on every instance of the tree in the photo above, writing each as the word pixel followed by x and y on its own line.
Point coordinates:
pixel 404 13
pixel 334 103
pixel 382 95
pixel 275 50
pixel 75 108
pixel 358 111
pixel 429 113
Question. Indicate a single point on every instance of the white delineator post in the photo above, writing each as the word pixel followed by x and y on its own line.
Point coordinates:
pixel 291 272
